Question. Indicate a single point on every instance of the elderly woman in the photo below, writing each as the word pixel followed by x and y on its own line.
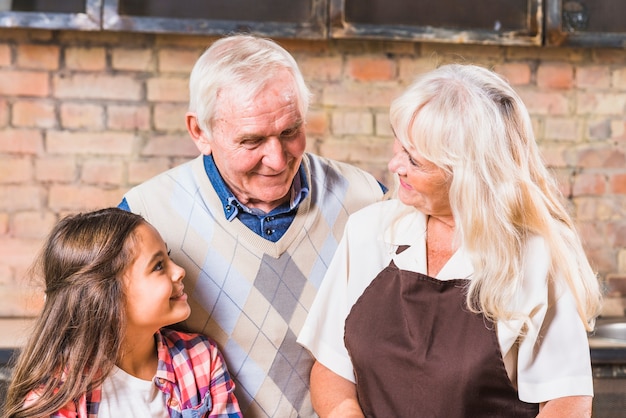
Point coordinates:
pixel 470 294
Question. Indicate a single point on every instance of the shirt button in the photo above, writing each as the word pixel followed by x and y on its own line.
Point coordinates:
pixel 269 231
pixel 173 402
pixel 270 218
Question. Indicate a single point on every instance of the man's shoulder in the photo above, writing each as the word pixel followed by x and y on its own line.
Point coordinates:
pixel 184 169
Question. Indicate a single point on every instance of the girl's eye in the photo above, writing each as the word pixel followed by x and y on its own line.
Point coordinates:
pixel 159 266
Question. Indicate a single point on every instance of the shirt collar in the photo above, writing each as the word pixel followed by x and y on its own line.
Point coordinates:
pixel 410 229
pixel 299 190
pixel 165 369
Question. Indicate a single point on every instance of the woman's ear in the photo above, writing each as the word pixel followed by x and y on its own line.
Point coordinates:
pixel 197 134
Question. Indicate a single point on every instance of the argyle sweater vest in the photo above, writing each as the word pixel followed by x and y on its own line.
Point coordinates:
pixel 249 294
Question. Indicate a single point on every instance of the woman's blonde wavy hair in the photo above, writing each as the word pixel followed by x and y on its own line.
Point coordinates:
pixel 468 121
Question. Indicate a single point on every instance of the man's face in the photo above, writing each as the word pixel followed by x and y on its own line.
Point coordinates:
pixel 257 143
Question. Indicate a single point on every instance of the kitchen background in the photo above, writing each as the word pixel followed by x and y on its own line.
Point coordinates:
pixel 92 102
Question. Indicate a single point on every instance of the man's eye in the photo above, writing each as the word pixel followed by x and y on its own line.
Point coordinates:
pixel 251 143
pixel 289 133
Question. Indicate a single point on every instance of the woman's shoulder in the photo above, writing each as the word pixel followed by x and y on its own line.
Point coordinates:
pixel 379 211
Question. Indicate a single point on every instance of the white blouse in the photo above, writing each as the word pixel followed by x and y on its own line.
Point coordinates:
pixel 551 361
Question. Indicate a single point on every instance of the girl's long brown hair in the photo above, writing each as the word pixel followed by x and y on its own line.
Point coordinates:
pixel 76 339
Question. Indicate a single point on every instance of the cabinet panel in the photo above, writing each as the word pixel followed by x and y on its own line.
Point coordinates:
pixel 586 23
pixel 512 22
pixel 46 14
pixel 274 18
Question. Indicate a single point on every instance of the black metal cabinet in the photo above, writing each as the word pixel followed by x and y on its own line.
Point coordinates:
pixel 504 22
pixel 46 14
pixel 591 23
pixel 304 19
pixel 586 23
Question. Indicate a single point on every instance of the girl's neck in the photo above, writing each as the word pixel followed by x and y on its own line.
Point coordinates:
pixel 139 356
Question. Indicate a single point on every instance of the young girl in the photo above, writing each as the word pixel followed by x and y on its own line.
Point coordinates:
pixel 98 348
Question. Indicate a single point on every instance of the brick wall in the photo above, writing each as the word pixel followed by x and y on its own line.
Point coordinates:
pixel 84 116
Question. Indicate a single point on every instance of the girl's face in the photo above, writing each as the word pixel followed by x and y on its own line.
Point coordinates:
pixel 154 285
pixel 423 185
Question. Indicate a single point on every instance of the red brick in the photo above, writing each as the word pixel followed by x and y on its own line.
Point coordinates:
pixel 168 90
pixel 40 57
pixel 177 61
pixel 600 157
pixel 170 117
pixel 618 183
pixel 170 146
pixel 410 68
pixel 16 170
pixel 560 128
pixel 4 113
pixel 34 114
pixel 18 251
pixel 4 223
pixel 21 141
pixel 81 198
pixel 371 69
pixel 140 171
pixel 360 95
pixel 516 73
pixel 352 123
pixel 554 154
pixel 595 77
pixel 589 184
pixel 132 59
pixel 323 69
pixel 358 150
pixel 107 143
pixel 600 103
pixel 128 117
pixel 555 76
pixel 33 224
pixel 20 197
pixel 316 122
pixel 24 83
pixel 85 59
pixel 542 103
pixel 5 55
pixel 82 116
pixel 383 126
pixel 619 78
pixel 97 86
pixel 55 169
pixel 102 172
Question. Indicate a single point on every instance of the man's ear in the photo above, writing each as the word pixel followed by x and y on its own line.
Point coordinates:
pixel 197 135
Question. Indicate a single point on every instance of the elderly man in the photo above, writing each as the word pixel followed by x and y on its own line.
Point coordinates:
pixel 254 219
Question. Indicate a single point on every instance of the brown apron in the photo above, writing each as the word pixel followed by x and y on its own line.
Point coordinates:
pixel 418 352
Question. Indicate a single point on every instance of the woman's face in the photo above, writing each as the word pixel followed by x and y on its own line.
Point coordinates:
pixel 423 185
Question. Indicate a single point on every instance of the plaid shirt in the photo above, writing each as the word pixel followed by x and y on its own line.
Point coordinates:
pixel 191 374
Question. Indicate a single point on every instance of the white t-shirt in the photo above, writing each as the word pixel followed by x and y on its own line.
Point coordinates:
pixel 551 361
pixel 124 395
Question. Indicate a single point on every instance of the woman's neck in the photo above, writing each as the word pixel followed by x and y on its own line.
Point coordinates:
pixel 440 244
